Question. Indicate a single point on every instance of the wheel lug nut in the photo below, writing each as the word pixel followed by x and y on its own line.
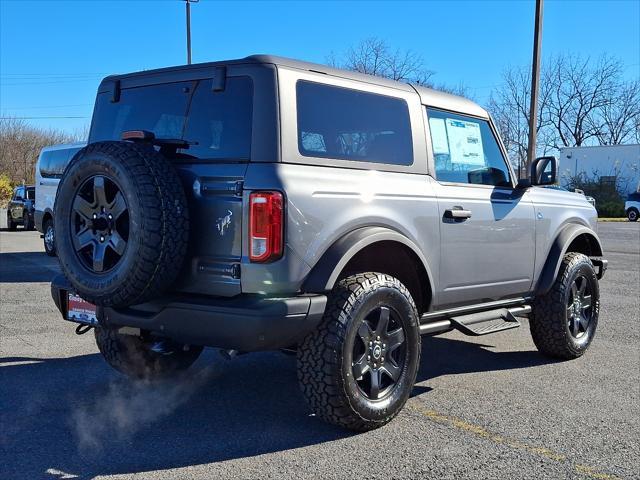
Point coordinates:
pixel 378 338
pixel 102 239
pixel 370 343
pixel 110 216
pixel 95 215
pixel 375 365
pixel 368 357
pixel 382 359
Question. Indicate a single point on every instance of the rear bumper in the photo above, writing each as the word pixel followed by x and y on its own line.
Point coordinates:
pixel 244 322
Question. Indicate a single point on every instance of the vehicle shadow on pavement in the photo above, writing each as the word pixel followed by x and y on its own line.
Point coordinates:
pixel 26 267
pixel 76 416
pixel 446 356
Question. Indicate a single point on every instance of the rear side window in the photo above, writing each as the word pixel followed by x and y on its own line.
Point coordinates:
pixel 341 123
pixel 216 123
pixel 31 193
pixel 53 162
pixel 466 151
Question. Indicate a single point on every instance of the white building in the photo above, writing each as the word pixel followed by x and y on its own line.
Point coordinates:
pixel 621 161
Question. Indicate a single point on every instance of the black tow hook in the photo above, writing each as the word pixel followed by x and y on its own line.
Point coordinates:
pixel 82 329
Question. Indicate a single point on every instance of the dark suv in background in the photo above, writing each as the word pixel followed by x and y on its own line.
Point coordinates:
pixel 21 207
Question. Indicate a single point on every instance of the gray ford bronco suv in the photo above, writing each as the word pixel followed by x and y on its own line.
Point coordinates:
pixel 266 203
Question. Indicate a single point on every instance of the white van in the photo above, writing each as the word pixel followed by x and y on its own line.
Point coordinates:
pixel 49 168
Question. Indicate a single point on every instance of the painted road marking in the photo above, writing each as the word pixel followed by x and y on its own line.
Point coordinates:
pixel 482 432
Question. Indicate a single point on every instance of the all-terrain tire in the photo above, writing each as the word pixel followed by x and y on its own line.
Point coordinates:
pixel 325 359
pixel 632 214
pixel 158 223
pixel 10 223
pixel 49 241
pixel 27 222
pixel 131 355
pixel 549 321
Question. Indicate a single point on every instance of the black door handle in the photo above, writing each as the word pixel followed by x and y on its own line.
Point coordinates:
pixel 457 213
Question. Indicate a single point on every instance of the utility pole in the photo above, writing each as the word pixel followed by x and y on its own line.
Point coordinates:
pixel 535 80
pixel 188 6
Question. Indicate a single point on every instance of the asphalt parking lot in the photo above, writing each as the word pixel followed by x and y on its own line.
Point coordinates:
pixel 486 407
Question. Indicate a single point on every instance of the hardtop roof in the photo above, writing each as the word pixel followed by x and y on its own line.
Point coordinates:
pixel 428 96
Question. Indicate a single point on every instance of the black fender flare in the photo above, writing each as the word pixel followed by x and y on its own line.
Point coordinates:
pixel 558 249
pixel 325 272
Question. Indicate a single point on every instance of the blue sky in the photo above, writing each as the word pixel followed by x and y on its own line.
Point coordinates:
pixel 54 53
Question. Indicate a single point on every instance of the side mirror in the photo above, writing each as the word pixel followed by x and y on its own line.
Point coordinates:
pixel 544 171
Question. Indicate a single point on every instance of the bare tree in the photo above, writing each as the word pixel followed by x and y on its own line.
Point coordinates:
pixel 375 57
pixel 509 106
pixel 579 92
pixel 20 145
pixel 581 103
pixel 619 119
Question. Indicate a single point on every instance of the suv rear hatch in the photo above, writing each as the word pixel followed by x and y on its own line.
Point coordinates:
pixel 215 117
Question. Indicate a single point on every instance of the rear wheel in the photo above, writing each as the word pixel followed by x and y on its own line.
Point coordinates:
pixel 49 238
pixel 632 215
pixel 358 368
pixel 563 322
pixel 144 357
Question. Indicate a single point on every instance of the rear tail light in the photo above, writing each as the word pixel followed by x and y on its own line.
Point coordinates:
pixel 265 226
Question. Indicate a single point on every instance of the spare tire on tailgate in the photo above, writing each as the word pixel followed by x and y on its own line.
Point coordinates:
pixel 121 223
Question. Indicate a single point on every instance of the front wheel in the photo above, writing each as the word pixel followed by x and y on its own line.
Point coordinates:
pixel 27 222
pixel 632 215
pixel 144 358
pixel 358 368
pixel 10 223
pixel 563 322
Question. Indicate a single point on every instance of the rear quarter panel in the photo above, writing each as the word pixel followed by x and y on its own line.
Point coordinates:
pixel 325 203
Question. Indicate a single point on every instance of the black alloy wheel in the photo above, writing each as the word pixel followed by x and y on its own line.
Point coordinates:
pixel 99 224
pixel 379 353
pixel 579 308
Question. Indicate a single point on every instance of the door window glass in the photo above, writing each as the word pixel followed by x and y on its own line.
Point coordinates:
pixel 466 151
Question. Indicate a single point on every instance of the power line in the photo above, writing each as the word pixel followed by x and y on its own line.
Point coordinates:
pixel 48 106
pixel 52 82
pixel 38 118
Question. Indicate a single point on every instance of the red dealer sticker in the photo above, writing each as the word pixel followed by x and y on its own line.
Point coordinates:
pixel 80 310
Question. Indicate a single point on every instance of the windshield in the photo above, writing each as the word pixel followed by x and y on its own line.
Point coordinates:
pixel 216 123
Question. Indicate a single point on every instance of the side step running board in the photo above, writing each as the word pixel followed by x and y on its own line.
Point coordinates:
pixel 479 323
pixel 484 323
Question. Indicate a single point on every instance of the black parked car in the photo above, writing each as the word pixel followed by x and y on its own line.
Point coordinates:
pixel 21 207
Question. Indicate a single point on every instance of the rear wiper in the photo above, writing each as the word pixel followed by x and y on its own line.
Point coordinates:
pixel 145 136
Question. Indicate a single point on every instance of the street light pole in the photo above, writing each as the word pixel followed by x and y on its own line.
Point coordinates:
pixel 535 80
pixel 188 6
